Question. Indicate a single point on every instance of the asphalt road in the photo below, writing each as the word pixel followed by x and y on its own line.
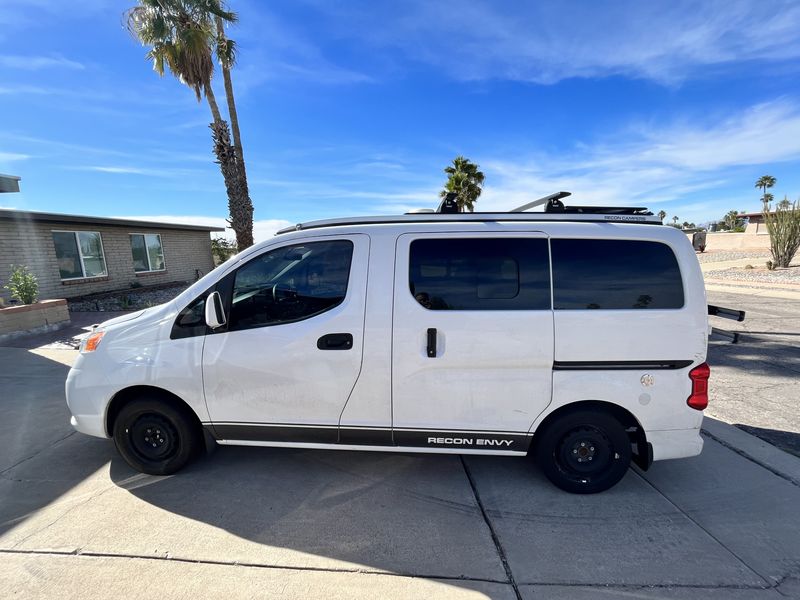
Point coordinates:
pixel 754 383
pixel 77 522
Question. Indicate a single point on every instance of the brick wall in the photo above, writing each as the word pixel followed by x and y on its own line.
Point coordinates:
pixel 31 244
pixel 44 314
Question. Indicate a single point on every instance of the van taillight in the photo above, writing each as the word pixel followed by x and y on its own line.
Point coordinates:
pixel 699 376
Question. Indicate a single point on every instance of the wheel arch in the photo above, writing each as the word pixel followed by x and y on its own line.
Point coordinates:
pixel 643 451
pixel 126 395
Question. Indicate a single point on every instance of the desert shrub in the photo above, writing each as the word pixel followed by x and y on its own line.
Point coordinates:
pixel 22 285
pixel 783 226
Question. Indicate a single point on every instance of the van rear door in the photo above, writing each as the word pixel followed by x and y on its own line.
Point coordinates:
pixel 472 346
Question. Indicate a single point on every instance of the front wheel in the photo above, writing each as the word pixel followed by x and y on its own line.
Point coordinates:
pixel 154 437
pixel 584 452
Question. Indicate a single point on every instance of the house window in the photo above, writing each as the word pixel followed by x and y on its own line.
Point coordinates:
pixel 79 254
pixel 148 254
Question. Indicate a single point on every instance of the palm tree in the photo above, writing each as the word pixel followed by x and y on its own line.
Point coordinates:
pixel 731 219
pixel 181 35
pixel 226 54
pixel 765 182
pixel 675 221
pixel 466 181
pixel 662 215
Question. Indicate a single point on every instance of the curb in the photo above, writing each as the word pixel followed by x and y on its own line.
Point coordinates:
pixel 764 454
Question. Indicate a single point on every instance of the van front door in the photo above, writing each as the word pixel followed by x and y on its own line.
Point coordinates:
pixel 472 348
pixel 282 367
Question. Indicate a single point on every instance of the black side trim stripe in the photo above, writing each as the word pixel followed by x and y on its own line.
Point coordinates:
pixel 467 441
pixel 271 433
pixel 619 365
pixel 326 434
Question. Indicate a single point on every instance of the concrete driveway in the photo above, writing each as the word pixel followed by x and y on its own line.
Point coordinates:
pixel 77 522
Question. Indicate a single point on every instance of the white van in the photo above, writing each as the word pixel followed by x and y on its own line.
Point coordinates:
pixel 578 337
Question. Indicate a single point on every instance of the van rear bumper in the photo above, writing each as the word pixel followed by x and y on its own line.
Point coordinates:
pixel 675 443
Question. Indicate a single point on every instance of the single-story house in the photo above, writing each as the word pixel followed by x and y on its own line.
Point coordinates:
pixel 755 223
pixel 9 183
pixel 73 255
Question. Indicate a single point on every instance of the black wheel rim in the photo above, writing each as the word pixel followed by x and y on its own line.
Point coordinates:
pixel 153 438
pixel 584 453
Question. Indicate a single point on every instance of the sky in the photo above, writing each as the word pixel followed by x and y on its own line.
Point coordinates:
pixel 355 107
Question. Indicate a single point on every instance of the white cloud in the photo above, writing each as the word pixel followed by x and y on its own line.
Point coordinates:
pixel 655 166
pixel 262 229
pixel 276 49
pixel 35 63
pixel 135 170
pixel 13 156
pixel 548 41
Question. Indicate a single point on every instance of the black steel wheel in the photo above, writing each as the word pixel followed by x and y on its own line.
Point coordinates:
pixel 155 437
pixel 584 452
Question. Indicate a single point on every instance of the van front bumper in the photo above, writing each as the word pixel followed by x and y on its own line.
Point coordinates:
pixel 87 395
pixel 675 443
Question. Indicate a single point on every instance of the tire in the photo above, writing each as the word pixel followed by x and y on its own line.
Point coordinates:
pixel 156 438
pixel 584 452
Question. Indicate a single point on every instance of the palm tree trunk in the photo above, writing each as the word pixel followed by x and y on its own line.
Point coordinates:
pixel 226 76
pixel 246 202
pixel 239 205
pixel 212 102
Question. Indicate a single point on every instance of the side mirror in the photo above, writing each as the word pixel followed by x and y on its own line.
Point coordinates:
pixel 215 314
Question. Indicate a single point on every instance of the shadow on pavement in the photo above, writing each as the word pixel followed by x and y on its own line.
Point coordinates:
pixel 400 513
pixel 42 458
pixel 786 440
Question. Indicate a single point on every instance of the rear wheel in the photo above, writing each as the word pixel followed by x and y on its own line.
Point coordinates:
pixel 156 438
pixel 584 452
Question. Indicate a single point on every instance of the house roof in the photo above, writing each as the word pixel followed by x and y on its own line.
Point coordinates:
pixel 755 214
pixel 9 183
pixel 43 217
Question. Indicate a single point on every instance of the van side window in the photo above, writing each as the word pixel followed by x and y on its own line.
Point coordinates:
pixel 290 284
pixel 614 274
pixel 480 274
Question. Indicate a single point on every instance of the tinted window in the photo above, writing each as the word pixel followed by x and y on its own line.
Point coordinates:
pixel 69 259
pixel 191 320
pixel 615 274
pixel 79 254
pixel 480 274
pixel 290 283
pixel 147 252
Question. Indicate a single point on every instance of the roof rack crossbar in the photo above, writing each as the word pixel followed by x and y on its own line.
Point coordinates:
pixel 540 201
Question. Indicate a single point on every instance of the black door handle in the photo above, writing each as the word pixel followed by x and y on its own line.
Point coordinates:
pixel 432 342
pixel 335 341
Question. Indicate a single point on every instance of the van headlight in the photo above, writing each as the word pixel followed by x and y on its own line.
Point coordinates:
pixel 91 341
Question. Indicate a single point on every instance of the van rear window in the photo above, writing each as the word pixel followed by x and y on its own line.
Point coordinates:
pixel 614 274
pixel 480 274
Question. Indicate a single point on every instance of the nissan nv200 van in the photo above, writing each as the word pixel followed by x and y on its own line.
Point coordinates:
pixel 576 336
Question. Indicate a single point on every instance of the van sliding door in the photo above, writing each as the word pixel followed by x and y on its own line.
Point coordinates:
pixel 472 347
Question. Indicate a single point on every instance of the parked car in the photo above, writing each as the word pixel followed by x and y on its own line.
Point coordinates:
pixel 578 338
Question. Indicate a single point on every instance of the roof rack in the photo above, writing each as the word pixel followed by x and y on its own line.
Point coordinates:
pixel 553 204
pixel 554 210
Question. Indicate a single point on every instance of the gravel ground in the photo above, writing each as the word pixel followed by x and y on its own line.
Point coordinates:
pixel 760 256
pixel 790 275
pixel 129 300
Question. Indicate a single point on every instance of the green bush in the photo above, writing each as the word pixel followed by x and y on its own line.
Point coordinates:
pixel 23 285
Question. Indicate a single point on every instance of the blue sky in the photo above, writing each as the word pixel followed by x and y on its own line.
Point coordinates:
pixel 356 107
